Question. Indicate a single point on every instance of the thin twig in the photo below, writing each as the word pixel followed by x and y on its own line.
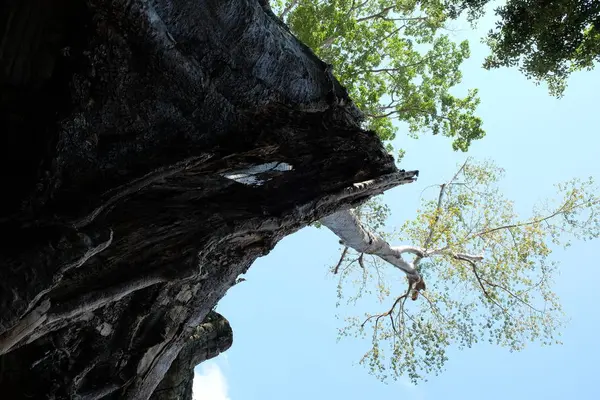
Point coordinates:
pixel 337 267
pixel 512 295
pixel 434 308
pixel 560 211
pixel 390 311
pixel 377 116
pixel 438 209
pixel 360 261
pixel 380 14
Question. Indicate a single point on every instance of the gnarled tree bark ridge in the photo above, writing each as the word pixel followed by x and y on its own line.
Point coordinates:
pixel 126 124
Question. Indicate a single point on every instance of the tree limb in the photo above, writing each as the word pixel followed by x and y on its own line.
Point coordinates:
pixel 480 281
pixel 410 249
pixel 347 227
pixel 377 116
pixel 485 232
pixel 380 14
pixel 472 261
pixel 359 6
pixel 439 205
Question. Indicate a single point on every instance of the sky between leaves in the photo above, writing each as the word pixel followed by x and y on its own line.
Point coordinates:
pixel 284 315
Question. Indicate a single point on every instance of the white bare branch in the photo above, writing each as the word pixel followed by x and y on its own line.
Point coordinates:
pixel 419 252
pixel 348 227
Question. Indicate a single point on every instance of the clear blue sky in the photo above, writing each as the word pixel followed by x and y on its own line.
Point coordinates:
pixel 283 317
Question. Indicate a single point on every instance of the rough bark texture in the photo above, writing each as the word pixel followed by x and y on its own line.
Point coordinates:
pixel 210 338
pixel 119 120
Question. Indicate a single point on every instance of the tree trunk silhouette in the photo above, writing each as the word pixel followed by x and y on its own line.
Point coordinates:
pixel 126 126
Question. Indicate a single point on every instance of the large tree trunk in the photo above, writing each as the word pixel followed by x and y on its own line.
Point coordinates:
pixel 124 124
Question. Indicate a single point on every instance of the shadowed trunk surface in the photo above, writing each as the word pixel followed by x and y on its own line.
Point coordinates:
pixel 210 338
pixel 121 122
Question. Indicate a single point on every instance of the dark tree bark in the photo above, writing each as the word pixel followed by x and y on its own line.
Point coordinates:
pixel 210 338
pixel 120 122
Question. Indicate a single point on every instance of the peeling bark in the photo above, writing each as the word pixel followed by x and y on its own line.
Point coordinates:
pixel 124 119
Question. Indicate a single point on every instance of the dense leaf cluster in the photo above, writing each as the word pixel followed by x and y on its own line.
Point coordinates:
pixel 547 40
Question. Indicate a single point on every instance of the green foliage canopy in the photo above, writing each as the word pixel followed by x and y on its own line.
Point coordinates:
pixel 394 60
pixel 488 272
pixel 548 40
